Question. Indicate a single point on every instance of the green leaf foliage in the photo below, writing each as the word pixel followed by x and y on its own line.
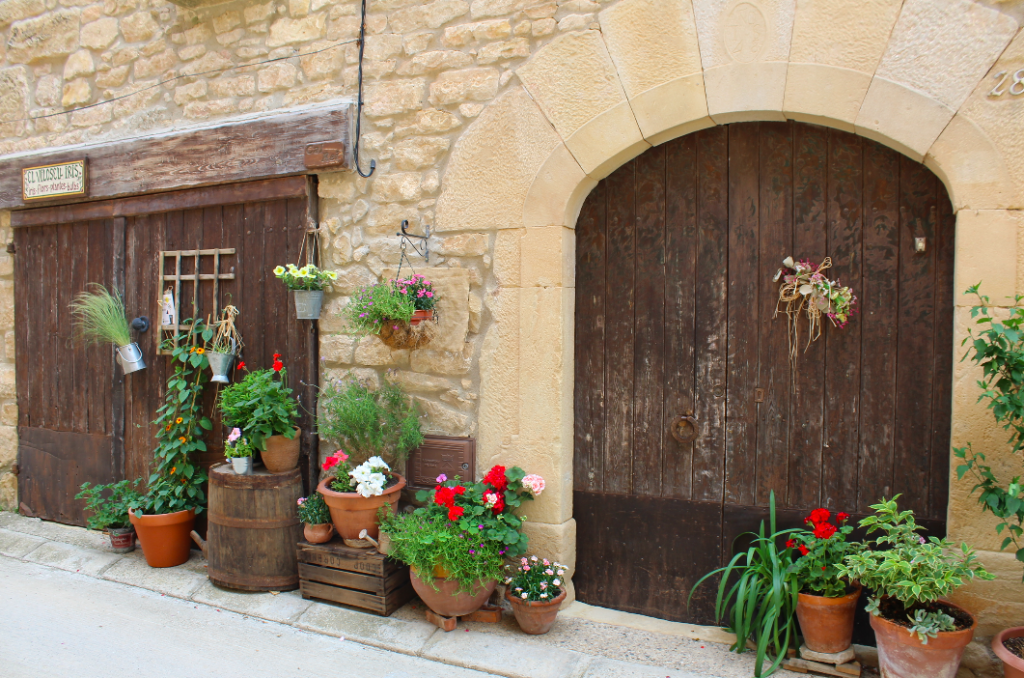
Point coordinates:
pixel 261 405
pixel 367 423
pixel 109 504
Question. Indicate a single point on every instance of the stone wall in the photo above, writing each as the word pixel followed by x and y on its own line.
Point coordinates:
pixel 8 405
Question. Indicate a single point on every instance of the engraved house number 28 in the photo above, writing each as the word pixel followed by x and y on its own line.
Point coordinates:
pixel 1016 88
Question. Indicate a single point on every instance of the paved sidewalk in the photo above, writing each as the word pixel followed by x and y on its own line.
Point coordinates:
pixel 580 645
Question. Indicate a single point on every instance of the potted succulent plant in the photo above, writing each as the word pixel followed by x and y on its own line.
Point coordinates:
pixel 918 633
pixel 393 310
pixel 316 519
pixel 378 428
pixel 758 595
pixel 110 513
pixel 536 591
pixel 307 284
pixel 456 543
pixel 100 318
pixel 239 451
pixel 164 518
pixel 263 407
pixel 827 602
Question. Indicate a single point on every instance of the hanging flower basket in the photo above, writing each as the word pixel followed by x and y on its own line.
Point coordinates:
pixel 399 335
pixel 807 292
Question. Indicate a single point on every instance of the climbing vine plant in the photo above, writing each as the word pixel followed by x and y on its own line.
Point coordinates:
pixel 176 482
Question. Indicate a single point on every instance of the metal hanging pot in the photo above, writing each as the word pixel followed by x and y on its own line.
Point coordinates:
pixel 308 303
pixel 220 364
pixel 130 358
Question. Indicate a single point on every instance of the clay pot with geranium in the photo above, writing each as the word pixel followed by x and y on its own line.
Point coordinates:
pixel 394 310
pixel 827 602
pixel 316 519
pixel 536 590
pixel 918 632
pixel 265 410
pixel 456 543
pixel 376 430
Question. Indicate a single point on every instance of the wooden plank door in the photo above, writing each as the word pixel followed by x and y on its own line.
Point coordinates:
pixel 65 390
pixel 675 307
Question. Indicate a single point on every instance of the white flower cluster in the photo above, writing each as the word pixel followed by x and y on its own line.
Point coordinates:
pixel 370 477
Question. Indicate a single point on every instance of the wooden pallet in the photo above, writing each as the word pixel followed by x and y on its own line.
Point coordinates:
pixel 360 578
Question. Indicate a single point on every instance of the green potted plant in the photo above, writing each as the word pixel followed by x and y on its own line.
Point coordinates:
pixel 263 407
pixel 110 512
pixel 459 538
pixel 239 451
pixel 165 516
pixel 918 633
pixel 379 426
pixel 100 318
pixel 307 284
pixel 393 310
pixel 758 595
pixel 536 591
pixel 827 602
pixel 316 519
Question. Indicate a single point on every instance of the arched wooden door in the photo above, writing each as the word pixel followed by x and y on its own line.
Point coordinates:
pixel 675 257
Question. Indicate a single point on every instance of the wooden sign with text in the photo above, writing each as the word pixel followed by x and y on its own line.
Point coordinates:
pixel 53 181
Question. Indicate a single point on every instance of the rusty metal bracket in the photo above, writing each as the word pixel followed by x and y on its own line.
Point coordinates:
pixel 684 428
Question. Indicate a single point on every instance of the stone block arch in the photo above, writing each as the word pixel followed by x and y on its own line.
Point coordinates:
pixel 591 100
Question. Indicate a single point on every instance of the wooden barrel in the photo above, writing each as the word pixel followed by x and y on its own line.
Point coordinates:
pixel 254 529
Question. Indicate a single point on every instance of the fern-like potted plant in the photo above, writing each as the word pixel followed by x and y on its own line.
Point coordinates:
pixel 110 511
pixel 307 285
pixel 918 632
pixel 100 318
pixel 377 430
pixel 263 407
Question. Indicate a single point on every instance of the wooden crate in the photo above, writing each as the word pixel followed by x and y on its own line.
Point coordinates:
pixel 360 578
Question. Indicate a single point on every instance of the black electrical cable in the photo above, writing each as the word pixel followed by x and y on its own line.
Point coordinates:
pixel 359 102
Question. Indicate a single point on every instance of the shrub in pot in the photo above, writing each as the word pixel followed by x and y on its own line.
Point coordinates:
pixel 165 516
pixel 316 519
pixel 378 428
pixel 827 602
pixel 100 318
pixel 110 513
pixel 263 407
pixel 918 633
pixel 536 590
pixel 307 285
pixel 452 542
pixel 758 595
pixel 238 450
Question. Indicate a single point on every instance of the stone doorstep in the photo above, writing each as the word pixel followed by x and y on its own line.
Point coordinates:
pixel 503 654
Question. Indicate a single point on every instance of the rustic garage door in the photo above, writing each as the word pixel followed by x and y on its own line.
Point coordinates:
pixel 79 418
pixel 676 252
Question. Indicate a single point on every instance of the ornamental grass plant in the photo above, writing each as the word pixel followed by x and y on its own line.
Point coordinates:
pixel 99 317
pixel 368 423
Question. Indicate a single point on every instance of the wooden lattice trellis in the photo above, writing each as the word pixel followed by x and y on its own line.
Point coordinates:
pixel 196 277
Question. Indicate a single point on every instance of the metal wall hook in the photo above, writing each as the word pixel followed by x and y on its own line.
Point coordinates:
pixel 140 324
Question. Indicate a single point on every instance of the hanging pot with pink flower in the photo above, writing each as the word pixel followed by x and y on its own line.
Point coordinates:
pixel 396 310
pixel 536 589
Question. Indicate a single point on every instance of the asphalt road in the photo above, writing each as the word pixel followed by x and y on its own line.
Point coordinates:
pixel 64 625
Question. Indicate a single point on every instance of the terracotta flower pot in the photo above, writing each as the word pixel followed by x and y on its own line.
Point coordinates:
pixel 352 513
pixel 902 655
pixel 122 539
pixel 1013 666
pixel 164 537
pixel 448 601
pixel 280 454
pixel 318 534
pixel 535 617
pixel 827 623
pixel 421 316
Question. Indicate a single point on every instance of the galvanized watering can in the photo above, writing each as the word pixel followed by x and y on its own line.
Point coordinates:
pixel 130 358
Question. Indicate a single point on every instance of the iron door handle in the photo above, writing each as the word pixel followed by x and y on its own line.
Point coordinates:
pixel 684 428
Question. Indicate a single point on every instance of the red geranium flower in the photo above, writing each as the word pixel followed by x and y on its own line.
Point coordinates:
pixel 824 530
pixel 790 543
pixel 278 365
pixel 455 512
pixel 820 515
pixel 277 356
pixel 496 478
pixel 240 365
pixel 804 550
pixel 444 496
pixel 842 517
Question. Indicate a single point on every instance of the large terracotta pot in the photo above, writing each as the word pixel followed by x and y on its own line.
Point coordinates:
pixel 281 455
pixel 902 655
pixel 1013 666
pixel 535 617
pixel 164 537
pixel 318 534
pixel 352 513
pixel 448 601
pixel 827 623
